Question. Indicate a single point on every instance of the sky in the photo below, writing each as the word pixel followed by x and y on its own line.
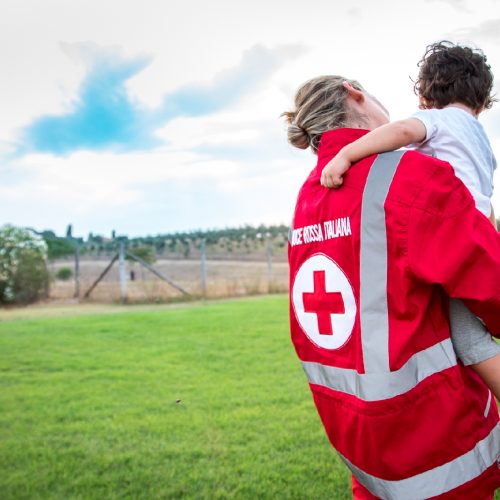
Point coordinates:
pixel 154 116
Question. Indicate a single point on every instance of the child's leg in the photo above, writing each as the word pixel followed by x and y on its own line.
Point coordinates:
pixel 474 345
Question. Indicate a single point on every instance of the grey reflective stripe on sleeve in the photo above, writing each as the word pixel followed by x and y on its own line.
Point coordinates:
pixel 373 281
pixel 435 481
pixel 384 385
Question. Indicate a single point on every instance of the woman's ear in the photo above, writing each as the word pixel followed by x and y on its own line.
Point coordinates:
pixel 357 95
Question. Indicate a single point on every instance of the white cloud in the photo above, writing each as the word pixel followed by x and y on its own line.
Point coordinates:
pixel 250 121
pixel 486 31
pixel 459 5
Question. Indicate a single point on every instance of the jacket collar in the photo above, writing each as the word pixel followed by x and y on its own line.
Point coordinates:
pixel 334 140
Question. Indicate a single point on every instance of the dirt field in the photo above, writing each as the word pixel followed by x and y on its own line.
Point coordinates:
pixel 224 279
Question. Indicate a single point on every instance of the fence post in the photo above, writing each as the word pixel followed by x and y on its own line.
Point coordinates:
pixel 77 271
pixel 269 262
pixel 203 268
pixel 123 272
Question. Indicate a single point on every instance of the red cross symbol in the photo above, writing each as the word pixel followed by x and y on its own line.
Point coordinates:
pixel 323 303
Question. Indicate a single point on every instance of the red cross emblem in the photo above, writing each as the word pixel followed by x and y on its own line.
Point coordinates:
pixel 323 303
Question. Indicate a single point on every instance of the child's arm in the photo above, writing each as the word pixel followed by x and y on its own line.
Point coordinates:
pixel 388 137
pixel 489 371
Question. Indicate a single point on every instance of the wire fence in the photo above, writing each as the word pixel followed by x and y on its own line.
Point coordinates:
pixel 132 281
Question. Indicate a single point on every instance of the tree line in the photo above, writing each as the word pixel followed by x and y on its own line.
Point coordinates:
pixel 238 240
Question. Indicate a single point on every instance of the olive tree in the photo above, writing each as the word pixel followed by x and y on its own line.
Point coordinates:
pixel 24 276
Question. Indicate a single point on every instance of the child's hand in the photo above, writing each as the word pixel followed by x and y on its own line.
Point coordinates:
pixel 331 176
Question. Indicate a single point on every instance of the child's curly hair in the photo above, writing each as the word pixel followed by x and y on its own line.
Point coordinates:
pixel 454 73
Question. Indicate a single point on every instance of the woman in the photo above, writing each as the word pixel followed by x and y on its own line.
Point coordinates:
pixel 372 265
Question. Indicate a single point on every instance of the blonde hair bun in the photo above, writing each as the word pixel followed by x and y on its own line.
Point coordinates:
pixel 298 137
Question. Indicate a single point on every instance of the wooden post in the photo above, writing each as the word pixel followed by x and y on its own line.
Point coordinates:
pixel 101 276
pixel 269 262
pixel 154 271
pixel 123 272
pixel 77 271
pixel 203 268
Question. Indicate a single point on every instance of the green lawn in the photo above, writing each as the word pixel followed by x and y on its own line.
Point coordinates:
pixel 203 401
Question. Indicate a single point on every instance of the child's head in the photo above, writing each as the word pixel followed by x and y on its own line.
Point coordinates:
pixel 452 73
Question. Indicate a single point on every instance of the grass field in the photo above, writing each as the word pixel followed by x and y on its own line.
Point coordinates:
pixel 202 401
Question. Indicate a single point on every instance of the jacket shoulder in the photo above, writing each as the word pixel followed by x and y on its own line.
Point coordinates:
pixel 427 183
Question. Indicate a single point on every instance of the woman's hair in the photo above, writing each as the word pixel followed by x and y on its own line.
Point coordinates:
pixel 454 73
pixel 320 105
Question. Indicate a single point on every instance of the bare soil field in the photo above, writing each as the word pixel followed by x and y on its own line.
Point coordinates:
pixel 225 278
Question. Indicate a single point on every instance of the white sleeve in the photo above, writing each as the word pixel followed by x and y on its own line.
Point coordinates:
pixel 428 119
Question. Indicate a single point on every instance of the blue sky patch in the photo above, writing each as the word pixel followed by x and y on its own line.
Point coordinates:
pixel 104 117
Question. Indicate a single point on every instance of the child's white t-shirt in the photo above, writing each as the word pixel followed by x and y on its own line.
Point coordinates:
pixel 455 136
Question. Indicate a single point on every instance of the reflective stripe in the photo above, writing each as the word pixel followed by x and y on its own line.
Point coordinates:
pixel 488 404
pixel 373 284
pixel 379 386
pixel 438 480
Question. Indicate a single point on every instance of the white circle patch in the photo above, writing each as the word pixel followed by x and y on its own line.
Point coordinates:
pixel 324 302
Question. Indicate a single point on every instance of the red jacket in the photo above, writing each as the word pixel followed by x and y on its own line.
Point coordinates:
pixel 371 268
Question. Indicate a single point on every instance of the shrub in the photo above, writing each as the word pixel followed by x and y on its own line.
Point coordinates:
pixel 144 252
pixel 64 273
pixel 24 276
pixel 58 247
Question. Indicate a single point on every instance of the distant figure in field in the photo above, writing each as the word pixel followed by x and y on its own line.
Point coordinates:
pixel 372 267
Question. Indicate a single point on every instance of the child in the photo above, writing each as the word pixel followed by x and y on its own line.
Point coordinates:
pixel 454 85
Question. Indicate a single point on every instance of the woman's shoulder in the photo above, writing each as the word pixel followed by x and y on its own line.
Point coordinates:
pixel 432 183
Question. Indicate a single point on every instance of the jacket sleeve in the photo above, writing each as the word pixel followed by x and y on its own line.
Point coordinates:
pixel 453 245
